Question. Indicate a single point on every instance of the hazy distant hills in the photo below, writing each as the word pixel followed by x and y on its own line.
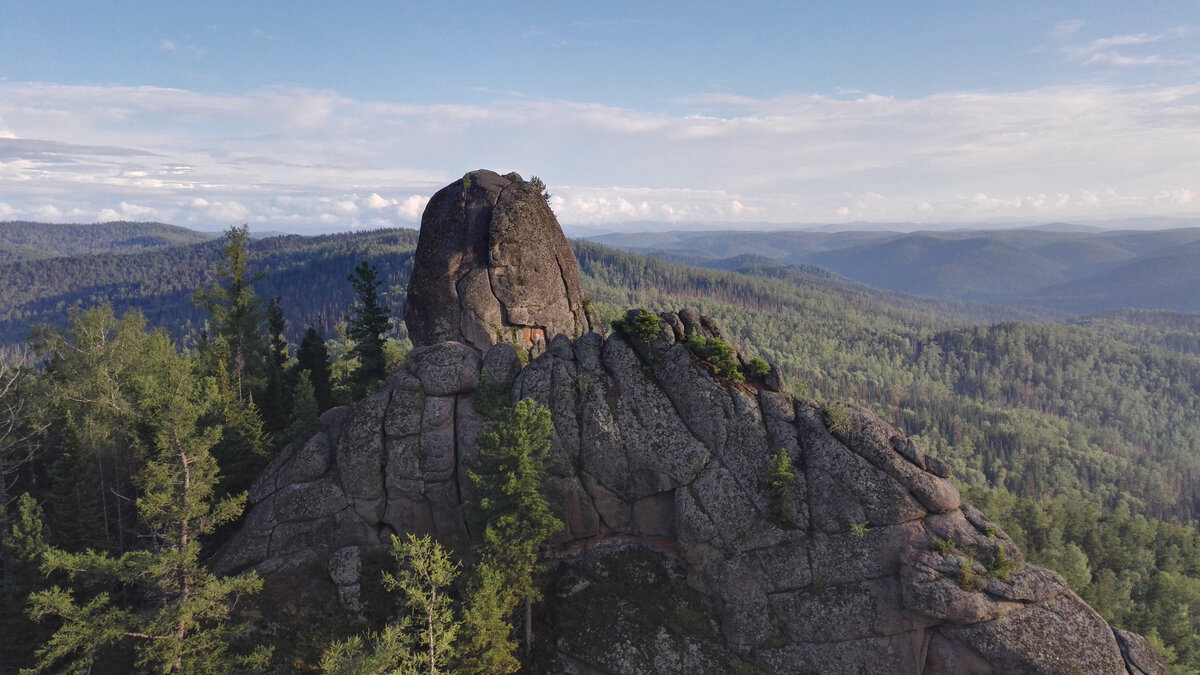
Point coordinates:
pixel 1072 270
pixel 20 240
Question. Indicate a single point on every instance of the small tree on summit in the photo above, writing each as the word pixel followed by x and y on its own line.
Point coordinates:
pixel 368 323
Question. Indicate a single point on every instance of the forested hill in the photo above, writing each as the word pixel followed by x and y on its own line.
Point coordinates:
pixel 20 240
pixel 1082 437
pixel 308 272
pixel 1066 272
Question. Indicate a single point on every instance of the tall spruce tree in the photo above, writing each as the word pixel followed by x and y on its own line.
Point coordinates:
pixel 170 611
pixel 314 357
pixel 237 313
pixel 276 397
pixel 516 516
pixel 368 325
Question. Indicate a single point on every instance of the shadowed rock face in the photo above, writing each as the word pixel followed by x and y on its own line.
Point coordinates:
pixel 674 559
pixel 492 266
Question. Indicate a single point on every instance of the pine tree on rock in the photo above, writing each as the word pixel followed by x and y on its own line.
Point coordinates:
pixel 369 323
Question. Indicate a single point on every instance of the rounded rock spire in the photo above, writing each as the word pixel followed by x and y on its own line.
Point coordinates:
pixel 492 265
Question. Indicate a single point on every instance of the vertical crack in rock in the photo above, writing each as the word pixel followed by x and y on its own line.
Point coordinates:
pixel 457 460
pixel 383 463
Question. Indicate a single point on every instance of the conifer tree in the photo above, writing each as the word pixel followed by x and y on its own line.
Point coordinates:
pixel 276 398
pixel 21 546
pixel 303 422
pixel 314 357
pixel 368 324
pixel 93 365
pixel 423 641
pixel 237 312
pixel 172 613
pixel 517 518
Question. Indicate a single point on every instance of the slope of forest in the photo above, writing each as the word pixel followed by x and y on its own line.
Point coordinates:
pixel 1081 440
pixel 309 271
pixel 21 240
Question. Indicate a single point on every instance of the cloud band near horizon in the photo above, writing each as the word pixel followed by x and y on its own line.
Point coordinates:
pixel 304 160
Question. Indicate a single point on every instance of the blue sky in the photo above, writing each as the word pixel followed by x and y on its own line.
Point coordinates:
pixel 306 116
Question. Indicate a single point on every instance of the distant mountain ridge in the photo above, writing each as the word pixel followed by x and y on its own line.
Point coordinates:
pixel 23 240
pixel 1068 270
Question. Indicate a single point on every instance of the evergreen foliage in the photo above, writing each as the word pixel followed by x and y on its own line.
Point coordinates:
pixel 312 356
pixel 424 639
pixel 516 518
pixel 172 613
pixel 838 419
pixel 718 354
pixel 780 492
pixel 237 314
pixel 368 325
pixel 276 398
pixel 303 422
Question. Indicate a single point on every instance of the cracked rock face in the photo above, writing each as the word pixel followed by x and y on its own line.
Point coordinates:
pixel 492 266
pixel 671 544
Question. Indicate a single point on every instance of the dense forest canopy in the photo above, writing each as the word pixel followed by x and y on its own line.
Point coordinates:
pixel 1081 438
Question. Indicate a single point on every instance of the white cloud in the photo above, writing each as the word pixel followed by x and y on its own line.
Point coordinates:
pixel 1116 50
pixel 411 208
pixel 304 159
pixel 1177 197
pixel 168 45
pixel 48 212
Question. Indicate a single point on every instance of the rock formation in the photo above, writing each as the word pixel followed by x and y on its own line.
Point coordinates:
pixel 674 558
pixel 492 266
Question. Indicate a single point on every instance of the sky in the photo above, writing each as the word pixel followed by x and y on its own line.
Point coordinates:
pixel 315 116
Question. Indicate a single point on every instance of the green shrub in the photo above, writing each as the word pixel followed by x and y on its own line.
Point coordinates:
pixel 943 546
pixel 1000 566
pixel 968 580
pixel 859 529
pixel 779 487
pixel 838 419
pixel 757 368
pixel 645 326
pixel 716 353
pixel 490 400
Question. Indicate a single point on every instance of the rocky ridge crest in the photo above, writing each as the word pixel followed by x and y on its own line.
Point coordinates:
pixel 673 558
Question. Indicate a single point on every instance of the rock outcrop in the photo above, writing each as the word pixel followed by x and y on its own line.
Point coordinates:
pixel 676 557
pixel 492 266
